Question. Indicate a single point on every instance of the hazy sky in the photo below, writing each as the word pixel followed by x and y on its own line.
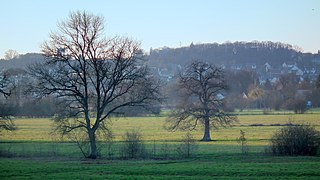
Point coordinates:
pixel 25 24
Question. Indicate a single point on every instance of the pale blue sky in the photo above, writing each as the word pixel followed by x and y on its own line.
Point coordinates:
pixel 25 24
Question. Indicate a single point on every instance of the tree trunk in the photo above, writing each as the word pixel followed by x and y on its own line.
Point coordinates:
pixel 93 145
pixel 206 135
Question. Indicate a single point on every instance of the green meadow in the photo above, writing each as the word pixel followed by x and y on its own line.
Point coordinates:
pixel 33 151
pixel 258 128
pixel 215 167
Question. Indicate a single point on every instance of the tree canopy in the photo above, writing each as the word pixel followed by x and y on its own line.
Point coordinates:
pixel 201 99
pixel 93 76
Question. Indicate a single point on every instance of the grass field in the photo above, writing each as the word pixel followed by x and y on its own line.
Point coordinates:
pixel 214 167
pixel 37 154
pixel 257 127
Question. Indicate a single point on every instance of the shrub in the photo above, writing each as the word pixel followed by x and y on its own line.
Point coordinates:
pixel 297 105
pixel 187 146
pixel 296 140
pixel 133 146
pixel 165 150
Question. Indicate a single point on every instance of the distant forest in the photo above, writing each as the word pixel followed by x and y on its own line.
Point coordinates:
pixel 21 61
pixel 228 54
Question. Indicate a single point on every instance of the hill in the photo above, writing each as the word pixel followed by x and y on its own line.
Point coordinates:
pixel 232 54
pixel 22 61
pixel 254 56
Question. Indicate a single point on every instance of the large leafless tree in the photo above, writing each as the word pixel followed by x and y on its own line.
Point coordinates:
pixel 201 87
pixel 94 76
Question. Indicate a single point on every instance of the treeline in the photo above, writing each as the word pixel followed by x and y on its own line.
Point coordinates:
pixel 275 53
pixel 289 93
pixel 245 92
pixel 21 61
pixel 258 52
pixel 23 102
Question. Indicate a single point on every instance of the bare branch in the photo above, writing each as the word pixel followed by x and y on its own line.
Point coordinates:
pixel 200 85
pixel 96 75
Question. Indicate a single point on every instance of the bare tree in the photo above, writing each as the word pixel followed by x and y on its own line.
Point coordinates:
pixel 257 94
pixel 201 86
pixel 6 110
pixel 11 54
pixel 318 82
pixel 5 84
pixel 94 77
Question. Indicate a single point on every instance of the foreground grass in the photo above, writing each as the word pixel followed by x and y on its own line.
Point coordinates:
pixel 228 167
pixel 157 150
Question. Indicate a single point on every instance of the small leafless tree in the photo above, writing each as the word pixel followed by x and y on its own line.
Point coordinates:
pixel 201 87
pixel 188 146
pixel 133 145
pixel 94 76
pixel 243 142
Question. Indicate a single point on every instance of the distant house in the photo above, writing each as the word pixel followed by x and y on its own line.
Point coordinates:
pixel 262 81
pixel 244 96
pixel 222 66
pixel 220 96
pixel 251 66
pixel 236 67
pixel 292 68
pixel 267 66
pixel 165 74
pixel 284 65
pixel 295 70
pixel 274 80
pixel 274 73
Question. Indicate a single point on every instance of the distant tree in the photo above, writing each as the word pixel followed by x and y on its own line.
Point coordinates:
pixel 6 110
pixel 288 80
pixel 188 146
pixel 93 76
pixel 5 84
pixel 268 85
pixel 273 99
pixel 11 54
pixel 201 86
pixel 6 123
pixel 315 95
pixel 305 84
pixel 318 82
pixel 287 85
pixel 256 94
pixel 235 101
pixel 243 142
pixel 240 81
pixel 299 106
pixel 44 107
pixel 133 145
